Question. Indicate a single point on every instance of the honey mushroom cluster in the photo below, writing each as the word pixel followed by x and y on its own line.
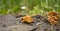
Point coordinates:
pixel 27 18
pixel 53 18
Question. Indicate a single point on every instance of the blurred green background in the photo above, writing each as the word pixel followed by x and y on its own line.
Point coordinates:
pixel 29 7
